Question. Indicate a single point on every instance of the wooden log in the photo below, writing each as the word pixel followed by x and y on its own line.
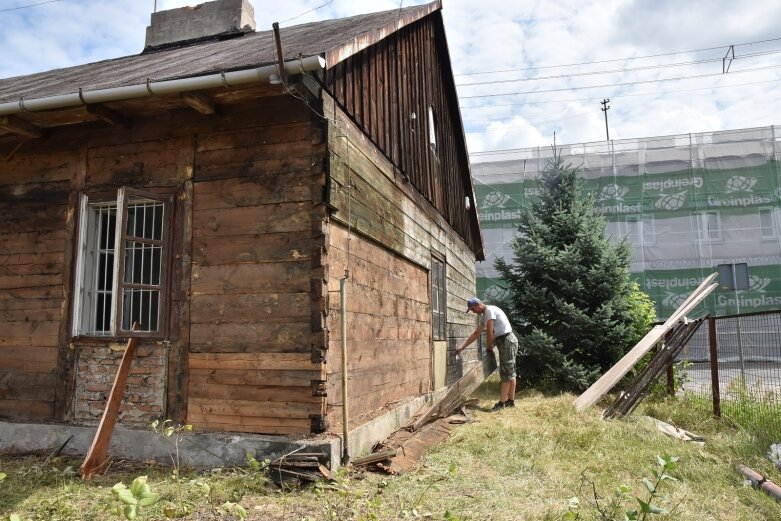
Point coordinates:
pixel 96 456
pixel 459 391
pixel 375 457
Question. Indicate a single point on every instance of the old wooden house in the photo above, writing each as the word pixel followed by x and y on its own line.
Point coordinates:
pixel 220 201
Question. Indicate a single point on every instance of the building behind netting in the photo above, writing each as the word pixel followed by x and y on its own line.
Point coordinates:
pixel 689 204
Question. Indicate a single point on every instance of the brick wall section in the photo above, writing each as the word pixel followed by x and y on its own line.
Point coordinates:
pixel 144 395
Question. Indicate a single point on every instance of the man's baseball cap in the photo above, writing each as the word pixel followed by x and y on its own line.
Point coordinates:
pixel 472 302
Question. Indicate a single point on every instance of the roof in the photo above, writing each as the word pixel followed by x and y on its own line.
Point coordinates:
pixel 336 40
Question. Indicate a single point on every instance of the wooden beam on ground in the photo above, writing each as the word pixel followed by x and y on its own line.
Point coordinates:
pixel 110 116
pixel 606 382
pixel 96 456
pixel 200 102
pixel 375 457
pixel 21 127
pixel 459 391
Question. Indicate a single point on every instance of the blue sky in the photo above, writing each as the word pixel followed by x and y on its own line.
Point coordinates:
pixel 529 39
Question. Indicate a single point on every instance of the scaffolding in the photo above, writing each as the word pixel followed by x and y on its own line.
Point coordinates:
pixel 689 204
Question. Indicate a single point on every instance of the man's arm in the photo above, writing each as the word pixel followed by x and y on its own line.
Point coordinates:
pixel 489 334
pixel 472 338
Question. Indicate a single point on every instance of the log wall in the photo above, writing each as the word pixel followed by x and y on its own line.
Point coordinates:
pixel 394 233
pixel 247 299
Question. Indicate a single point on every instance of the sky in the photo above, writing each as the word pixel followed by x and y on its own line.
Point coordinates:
pixel 524 69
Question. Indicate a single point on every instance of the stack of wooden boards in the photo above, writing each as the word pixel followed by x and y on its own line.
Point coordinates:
pixel 299 467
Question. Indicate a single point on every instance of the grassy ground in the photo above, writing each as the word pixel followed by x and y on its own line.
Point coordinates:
pixel 524 463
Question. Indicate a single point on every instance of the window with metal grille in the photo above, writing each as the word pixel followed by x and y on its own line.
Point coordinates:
pixel 121 265
pixel 438 303
pixel 733 276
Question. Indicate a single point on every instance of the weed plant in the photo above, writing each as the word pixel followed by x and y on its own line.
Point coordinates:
pixel 525 463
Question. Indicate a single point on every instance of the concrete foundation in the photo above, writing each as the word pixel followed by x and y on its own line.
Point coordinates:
pixel 205 449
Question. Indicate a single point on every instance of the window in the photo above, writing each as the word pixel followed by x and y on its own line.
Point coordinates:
pixel 708 226
pixel 766 224
pixel 733 276
pixel 121 269
pixel 432 128
pixel 638 230
pixel 438 303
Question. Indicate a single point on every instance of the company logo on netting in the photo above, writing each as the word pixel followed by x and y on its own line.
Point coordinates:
pixel 757 301
pixel 532 192
pixel 671 201
pixel 740 183
pixel 613 191
pixel 667 184
pixel 674 300
pixel 496 293
pixel 675 282
pixel 758 283
pixel 495 199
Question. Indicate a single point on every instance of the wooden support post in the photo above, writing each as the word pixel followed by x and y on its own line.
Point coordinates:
pixel 714 367
pixel 96 456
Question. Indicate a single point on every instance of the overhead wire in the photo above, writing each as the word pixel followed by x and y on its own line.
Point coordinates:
pixel 722 47
pixel 28 6
pixel 640 94
pixel 614 71
pixel 624 84
pixel 307 12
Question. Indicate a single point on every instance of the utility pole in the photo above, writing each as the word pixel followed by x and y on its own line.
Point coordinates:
pixel 605 108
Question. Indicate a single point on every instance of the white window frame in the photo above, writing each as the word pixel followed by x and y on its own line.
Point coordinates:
pixel 703 230
pixel 126 198
pixel 645 232
pixel 767 232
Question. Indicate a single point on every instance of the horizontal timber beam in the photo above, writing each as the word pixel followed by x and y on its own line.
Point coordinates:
pixel 21 127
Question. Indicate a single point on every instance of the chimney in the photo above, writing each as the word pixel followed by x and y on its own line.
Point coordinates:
pixel 219 20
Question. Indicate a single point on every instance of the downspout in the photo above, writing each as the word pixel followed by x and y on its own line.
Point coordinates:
pixel 155 88
pixel 343 317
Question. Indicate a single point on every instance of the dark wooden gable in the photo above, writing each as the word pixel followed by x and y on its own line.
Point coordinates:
pixel 388 89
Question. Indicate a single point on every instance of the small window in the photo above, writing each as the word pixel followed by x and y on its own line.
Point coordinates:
pixel 121 265
pixel 438 303
pixel 708 226
pixel 638 230
pixel 766 224
pixel 733 276
pixel 432 128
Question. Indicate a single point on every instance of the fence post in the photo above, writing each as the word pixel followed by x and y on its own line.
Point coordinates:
pixel 714 366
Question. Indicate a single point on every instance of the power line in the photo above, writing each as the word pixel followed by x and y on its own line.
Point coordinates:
pixel 614 71
pixel 307 12
pixel 29 5
pixel 618 59
pixel 611 85
pixel 664 93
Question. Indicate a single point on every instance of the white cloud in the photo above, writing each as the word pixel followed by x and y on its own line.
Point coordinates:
pixel 493 35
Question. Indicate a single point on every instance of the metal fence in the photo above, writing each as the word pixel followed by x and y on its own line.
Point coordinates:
pixel 735 364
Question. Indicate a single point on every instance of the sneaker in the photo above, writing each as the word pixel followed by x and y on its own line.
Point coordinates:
pixel 509 403
pixel 498 406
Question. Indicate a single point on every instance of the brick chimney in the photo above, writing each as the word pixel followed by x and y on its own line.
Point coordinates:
pixel 219 19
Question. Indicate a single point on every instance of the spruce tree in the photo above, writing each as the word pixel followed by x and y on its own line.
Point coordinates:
pixel 569 285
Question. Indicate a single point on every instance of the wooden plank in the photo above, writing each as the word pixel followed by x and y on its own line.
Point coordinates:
pixel 254 393
pixel 261 307
pixel 606 382
pixel 32 242
pixel 273 218
pixel 283 377
pixel 290 277
pixel 252 191
pixel 227 425
pixel 27 409
pixel 252 361
pixel 252 249
pixel 258 336
pixel 459 391
pixel 98 451
pixel 267 409
pixel 35 386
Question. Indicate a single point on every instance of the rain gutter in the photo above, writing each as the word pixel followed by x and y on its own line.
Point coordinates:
pixel 158 88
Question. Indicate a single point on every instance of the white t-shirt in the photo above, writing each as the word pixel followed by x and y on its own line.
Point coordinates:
pixel 501 324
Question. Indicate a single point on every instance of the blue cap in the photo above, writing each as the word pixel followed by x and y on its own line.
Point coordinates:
pixel 472 302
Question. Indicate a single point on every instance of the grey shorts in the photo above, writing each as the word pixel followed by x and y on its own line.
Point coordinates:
pixel 508 350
